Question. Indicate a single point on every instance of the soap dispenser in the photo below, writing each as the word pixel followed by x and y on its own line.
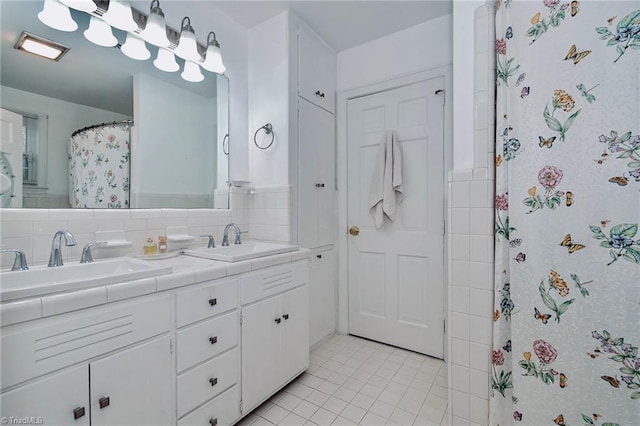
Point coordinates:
pixel 150 247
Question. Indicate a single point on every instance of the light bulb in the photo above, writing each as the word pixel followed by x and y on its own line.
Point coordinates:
pixel 155 31
pixel 187 47
pixel 192 72
pixel 166 61
pixel 213 57
pixel 56 15
pixel 135 48
pixel 99 32
pixel 119 16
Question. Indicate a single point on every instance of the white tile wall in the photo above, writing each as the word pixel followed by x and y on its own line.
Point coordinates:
pixel 471 242
pixel 264 212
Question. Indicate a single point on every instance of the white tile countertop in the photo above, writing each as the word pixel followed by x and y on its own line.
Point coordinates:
pixel 186 271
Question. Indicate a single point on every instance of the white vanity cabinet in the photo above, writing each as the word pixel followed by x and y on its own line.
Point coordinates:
pixel 88 367
pixel 322 294
pixel 275 330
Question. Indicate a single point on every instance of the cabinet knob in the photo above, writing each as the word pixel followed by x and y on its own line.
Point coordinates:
pixel 278 320
pixel 319 256
pixel 285 316
pixel 213 381
pixel 104 402
pixel 213 422
pixel 78 412
pixel 319 93
pixel 213 302
pixel 213 340
pixel 319 185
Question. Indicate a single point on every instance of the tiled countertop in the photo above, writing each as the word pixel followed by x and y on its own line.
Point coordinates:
pixel 186 271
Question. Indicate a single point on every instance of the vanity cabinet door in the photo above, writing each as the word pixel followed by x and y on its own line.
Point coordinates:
pixel 60 399
pixel 261 364
pixel 295 332
pixel 133 387
pixel 322 295
pixel 317 65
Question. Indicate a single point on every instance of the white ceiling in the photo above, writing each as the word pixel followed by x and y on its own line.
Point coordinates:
pixel 342 24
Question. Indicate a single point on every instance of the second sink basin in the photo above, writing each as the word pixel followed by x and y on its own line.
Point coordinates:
pixel 41 280
pixel 244 251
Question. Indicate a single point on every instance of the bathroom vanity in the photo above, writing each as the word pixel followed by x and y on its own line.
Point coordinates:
pixel 203 345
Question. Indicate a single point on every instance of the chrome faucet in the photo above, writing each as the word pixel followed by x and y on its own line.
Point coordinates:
pixel 55 259
pixel 225 237
pixel 212 243
pixel 86 251
pixel 20 262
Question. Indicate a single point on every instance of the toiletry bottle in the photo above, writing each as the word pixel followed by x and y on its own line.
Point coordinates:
pixel 162 244
pixel 150 247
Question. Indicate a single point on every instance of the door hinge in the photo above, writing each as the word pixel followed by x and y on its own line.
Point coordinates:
pixel 171 345
pixel 241 407
pixel 240 318
pixel 444 326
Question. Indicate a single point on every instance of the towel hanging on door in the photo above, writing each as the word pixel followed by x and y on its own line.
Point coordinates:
pixel 386 186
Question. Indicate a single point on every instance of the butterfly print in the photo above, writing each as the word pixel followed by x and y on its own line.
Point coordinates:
pixel 546 142
pixel 509 33
pixel 520 257
pixel 575 55
pixel 520 79
pixel 610 20
pixel 563 381
pixel 571 246
pixel 620 180
pixel 525 92
pixel 611 380
pixel 540 316
pixel 559 420
pixel 515 242
pixel 574 7
pixel 569 198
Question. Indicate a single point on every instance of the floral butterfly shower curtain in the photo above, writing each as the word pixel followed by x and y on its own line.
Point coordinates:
pixel 567 305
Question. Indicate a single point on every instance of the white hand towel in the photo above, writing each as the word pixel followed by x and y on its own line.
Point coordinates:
pixel 386 186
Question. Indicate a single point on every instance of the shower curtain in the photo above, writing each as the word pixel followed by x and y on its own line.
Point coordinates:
pixel 99 166
pixel 567 207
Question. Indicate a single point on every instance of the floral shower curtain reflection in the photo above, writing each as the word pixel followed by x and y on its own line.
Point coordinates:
pixel 99 166
pixel 567 314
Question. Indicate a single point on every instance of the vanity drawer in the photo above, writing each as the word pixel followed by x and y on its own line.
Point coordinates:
pixel 206 300
pixel 208 339
pixel 207 380
pixel 222 411
pixel 32 349
pixel 267 282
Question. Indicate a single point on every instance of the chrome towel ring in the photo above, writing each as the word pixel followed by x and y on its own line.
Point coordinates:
pixel 268 129
pixel 225 144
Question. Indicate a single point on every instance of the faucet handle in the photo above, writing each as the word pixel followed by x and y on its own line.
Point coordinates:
pixel 86 256
pixel 238 241
pixel 212 243
pixel 20 262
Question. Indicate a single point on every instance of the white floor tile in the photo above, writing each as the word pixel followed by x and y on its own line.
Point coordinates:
pixel 289 401
pixel 318 398
pixel 293 420
pixel 363 401
pixel 334 405
pixel 389 397
pixel 341 421
pixel 401 417
pixel 275 414
pixel 382 409
pixel 345 394
pixel 323 417
pixel 353 413
pixel 328 388
pixel 305 409
pixel 371 419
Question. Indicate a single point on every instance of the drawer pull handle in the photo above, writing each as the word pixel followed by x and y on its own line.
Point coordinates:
pixel 213 340
pixel 213 381
pixel 285 316
pixel 278 320
pixel 213 422
pixel 213 302
pixel 78 412
pixel 319 256
pixel 319 93
pixel 319 185
pixel 104 402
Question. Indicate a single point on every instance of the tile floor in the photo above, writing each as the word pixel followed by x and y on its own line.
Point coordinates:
pixel 354 381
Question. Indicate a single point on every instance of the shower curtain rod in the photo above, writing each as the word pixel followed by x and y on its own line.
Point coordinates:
pixel 94 126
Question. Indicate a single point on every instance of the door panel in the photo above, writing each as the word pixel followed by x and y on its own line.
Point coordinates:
pixel 295 332
pixel 322 295
pixel 11 149
pixel 396 273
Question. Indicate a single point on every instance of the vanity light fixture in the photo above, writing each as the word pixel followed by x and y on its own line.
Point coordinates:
pixel 156 30
pixel 83 5
pixel 191 72
pixel 119 16
pixel 56 15
pixel 99 32
pixel 213 57
pixel 187 47
pixel 135 48
pixel 40 46
pixel 166 61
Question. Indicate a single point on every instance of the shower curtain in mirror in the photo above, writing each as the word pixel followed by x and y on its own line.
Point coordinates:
pixel 99 167
pixel 567 207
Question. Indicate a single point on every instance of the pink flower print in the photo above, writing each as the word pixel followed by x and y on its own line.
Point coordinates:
pixel 501 46
pixel 550 3
pixel 544 351
pixel 502 202
pixel 114 198
pixel 111 138
pixel 497 358
pixel 549 177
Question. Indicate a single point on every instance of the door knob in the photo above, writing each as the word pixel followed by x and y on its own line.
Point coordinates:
pixel 354 230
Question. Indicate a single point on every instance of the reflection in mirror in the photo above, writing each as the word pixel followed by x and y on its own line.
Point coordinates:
pixel 178 141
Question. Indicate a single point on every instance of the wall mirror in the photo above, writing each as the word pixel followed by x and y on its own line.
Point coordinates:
pixel 170 135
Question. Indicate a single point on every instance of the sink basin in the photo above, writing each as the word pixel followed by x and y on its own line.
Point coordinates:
pixel 42 280
pixel 244 251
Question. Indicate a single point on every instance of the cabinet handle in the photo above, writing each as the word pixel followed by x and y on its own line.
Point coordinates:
pixel 213 381
pixel 104 402
pixel 319 256
pixel 319 93
pixel 213 340
pixel 319 185
pixel 213 422
pixel 78 412
pixel 278 320
pixel 285 316
pixel 213 302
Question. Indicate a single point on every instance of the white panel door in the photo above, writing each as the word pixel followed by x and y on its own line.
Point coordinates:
pixel 11 159
pixel 133 387
pixel 396 273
